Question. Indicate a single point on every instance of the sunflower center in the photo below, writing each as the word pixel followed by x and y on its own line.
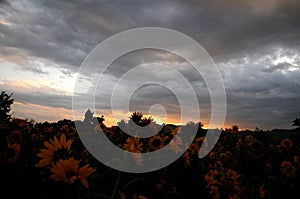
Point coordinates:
pixel 61 154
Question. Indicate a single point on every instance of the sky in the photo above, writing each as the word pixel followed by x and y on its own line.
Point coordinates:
pixel 254 43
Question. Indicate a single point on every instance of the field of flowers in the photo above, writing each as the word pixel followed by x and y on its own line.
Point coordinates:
pixel 48 160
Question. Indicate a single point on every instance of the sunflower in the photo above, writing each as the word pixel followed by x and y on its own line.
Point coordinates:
pixel 187 158
pixel 256 149
pixel 226 156
pixel 16 136
pixel 12 153
pixel 135 196
pixel 176 144
pixel 232 175
pixel 69 171
pixel 3 126
pixel 175 131
pixel 215 192
pixel 55 150
pixel 297 160
pixel 249 138
pixel 133 144
pixel 212 155
pixel 286 143
pixel 210 178
pixel 288 169
pixel 137 157
pixel 156 142
pixel 262 191
pixel 64 128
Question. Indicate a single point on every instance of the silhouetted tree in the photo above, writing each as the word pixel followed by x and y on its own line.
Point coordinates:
pixel 5 105
pixel 145 121
pixel 235 128
pixel 258 129
pixel 122 124
pixel 100 119
pixel 88 116
pixel 139 119
pixel 90 119
pixel 296 122
pixel 136 117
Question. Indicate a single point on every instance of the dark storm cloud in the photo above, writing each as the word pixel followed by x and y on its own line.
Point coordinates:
pixel 42 32
pixel 234 28
pixel 265 114
pixel 263 93
pixel 255 43
pixel 66 31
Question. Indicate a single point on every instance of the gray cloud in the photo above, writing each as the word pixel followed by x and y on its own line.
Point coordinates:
pixel 256 45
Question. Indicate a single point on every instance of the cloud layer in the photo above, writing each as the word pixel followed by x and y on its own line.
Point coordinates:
pixel 255 44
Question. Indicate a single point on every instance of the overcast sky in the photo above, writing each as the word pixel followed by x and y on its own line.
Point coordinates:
pixel 254 43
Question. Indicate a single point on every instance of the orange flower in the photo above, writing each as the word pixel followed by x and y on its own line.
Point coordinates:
pixel 133 145
pixel 175 131
pixel 212 155
pixel 64 128
pixel 187 158
pixel 137 157
pixel 162 183
pixel 12 153
pixel 55 149
pixel 233 175
pixel 214 190
pixel 262 191
pixel 235 196
pixel 249 138
pixel 297 159
pixel 20 122
pixel 288 169
pixel 195 147
pixel 156 142
pixel 286 143
pixel 16 137
pixel 69 171
pixel 210 178
pixel 176 144
pixel 135 196
pixel 3 126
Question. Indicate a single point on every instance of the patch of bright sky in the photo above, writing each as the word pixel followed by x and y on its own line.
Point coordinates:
pixel 53 77
pixel 283 57
pixel 40 113
pixel 4 22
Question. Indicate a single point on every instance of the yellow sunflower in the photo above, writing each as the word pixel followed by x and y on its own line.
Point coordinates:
pixel 211 179
pixel 12 153
pixel 286 143
pixel 195 147
pixel 288 169
pixel 232 175
pixel 187 158
pixel 15 136
pixel 215 192
pixel 69 171
pixel 55 150
pixel 249 138
pixel 175 131
pixel 133 144
pixel 156 142
pixel 176 145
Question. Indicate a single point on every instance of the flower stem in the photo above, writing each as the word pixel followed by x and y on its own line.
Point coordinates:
pixel 116 186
